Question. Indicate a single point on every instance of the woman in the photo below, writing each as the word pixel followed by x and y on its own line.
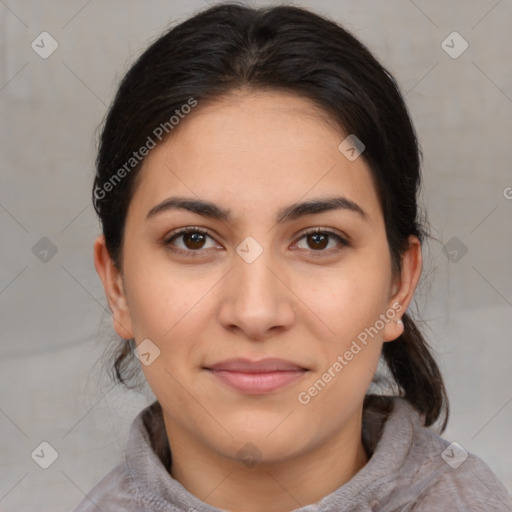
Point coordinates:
pixel 257 183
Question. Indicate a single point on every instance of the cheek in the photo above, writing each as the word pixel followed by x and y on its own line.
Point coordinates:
pixel 357 297
pixel 169 311
pixel 354 300
pixel 168 308
pixel 161 300
pixel 349 358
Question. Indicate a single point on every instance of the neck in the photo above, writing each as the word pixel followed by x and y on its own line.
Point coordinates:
pixel 281 486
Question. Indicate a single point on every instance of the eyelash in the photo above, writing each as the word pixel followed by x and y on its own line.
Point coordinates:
pixel 192 229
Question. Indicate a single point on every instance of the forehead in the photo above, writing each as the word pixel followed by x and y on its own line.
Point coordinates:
pixel 264 149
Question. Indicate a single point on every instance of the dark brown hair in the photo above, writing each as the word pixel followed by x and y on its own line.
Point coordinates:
pixel 293 50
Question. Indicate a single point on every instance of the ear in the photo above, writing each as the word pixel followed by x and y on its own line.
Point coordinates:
pixel 114 289
pixel 403 289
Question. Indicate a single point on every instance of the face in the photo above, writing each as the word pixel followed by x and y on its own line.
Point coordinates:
pixel 256 277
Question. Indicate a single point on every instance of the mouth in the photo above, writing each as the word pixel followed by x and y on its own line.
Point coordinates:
pixel 257 377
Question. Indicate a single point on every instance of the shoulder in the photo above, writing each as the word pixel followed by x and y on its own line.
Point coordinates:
pixel 441 474
pixel 465 483
pixel 112 493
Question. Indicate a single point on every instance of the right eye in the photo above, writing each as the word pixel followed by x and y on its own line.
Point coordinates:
pixel 192 239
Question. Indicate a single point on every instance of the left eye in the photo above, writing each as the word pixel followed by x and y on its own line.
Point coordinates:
pixel 318 240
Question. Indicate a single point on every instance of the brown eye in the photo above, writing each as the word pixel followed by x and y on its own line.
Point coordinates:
pixel 193 240
pixel 318 240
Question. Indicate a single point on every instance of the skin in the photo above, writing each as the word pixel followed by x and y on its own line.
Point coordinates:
pixel 255 153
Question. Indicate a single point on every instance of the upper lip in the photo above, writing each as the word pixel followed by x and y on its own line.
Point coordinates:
pixel 263 365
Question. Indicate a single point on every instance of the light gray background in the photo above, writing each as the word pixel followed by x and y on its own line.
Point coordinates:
pixel 53 323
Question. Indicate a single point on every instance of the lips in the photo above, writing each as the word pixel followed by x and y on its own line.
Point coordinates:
pixel 257 377
pixel 248 366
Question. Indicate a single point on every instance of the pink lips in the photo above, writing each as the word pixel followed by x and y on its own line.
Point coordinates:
pixel 256 377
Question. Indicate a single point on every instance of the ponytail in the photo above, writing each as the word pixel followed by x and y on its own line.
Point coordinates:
pixel 416 373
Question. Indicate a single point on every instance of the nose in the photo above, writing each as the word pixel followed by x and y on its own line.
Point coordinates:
pixel 256 300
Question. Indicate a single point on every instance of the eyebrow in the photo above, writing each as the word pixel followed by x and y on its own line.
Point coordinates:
pixel 211 210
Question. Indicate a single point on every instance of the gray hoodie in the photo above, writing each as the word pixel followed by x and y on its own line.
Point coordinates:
pixel 410 469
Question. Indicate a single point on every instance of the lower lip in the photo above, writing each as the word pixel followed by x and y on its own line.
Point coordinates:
pixel 257 383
